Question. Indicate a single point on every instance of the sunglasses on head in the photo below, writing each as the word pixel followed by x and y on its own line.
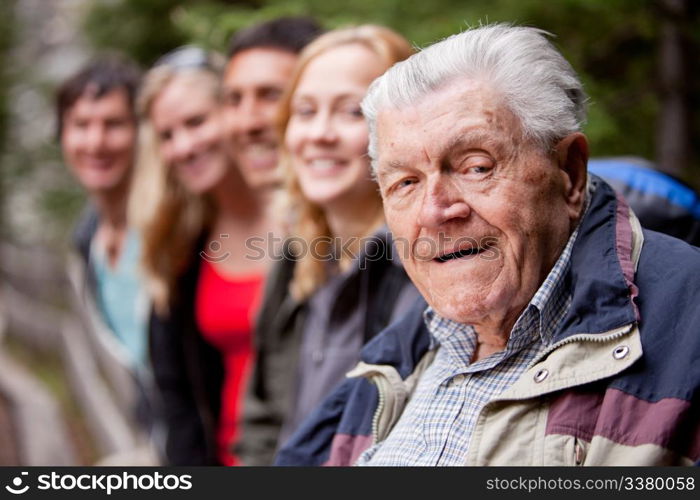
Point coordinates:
pixel 187 56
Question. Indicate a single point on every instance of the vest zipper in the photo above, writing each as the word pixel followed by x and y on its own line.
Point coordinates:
pixel 589 337
pixel 378 411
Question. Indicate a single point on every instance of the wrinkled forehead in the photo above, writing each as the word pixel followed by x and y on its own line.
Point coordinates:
pixel 464 111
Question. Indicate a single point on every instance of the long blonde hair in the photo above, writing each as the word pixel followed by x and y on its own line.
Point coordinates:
pixel 309 222
pixel 169 218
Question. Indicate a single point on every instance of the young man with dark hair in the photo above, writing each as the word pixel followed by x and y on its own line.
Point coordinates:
pixel 96 126
pixel 97 130
pixel 261 60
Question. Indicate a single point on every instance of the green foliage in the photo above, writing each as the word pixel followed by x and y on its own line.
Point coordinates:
pixel 6 37
pixel 142 29
pixel 59 205
pixel 146 29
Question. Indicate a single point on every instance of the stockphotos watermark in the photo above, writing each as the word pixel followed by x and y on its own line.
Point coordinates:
pixel 107 483
pixel 441 248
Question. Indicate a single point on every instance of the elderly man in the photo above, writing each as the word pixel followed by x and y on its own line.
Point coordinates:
pixel 556 331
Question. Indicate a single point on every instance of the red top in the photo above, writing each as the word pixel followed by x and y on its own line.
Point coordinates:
pixel 225 309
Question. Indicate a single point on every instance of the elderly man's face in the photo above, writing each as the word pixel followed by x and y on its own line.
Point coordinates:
pixel 480 214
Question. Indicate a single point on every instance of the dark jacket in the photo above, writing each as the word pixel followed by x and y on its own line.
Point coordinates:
pixel 379 286
pixel 83 234
pixel 189 373
pixel 622 382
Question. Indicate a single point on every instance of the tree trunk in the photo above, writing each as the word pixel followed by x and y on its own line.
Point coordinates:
pixel 673 147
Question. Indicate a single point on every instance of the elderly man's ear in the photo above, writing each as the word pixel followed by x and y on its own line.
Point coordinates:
pixel 572 155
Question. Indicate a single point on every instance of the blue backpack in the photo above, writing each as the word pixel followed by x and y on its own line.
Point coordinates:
pixel 661 202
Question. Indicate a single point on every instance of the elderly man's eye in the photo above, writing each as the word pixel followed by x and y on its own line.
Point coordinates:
pixel 480 169
pixel 477 164
pixel 402 185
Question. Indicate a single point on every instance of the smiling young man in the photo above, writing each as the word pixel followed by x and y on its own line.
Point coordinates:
pixel 556 330
pixel 97 130
pixel 261 60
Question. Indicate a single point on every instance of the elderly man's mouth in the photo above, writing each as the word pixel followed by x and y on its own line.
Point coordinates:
pixel 460 254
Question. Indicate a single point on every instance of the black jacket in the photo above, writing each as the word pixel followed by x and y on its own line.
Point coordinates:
pixel 189 373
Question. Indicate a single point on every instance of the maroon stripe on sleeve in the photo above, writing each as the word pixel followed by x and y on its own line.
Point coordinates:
pixel 345 449
pixel 625 419
pixel 575 413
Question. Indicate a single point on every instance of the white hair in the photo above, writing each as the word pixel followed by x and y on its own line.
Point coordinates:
pixel 538 85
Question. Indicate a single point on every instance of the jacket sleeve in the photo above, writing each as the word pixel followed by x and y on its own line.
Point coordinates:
pixel 184 440
pixel 85 230
pixel 338 431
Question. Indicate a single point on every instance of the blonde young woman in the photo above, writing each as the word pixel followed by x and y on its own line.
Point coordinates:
pixel 338 284
pixel 195 213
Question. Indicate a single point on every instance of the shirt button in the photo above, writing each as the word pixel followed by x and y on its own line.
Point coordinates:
pixel 458 379
pixel 541 375
pixel 621 352
pixel 317 356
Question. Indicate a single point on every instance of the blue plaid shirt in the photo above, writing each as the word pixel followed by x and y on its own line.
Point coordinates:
pixel 436 426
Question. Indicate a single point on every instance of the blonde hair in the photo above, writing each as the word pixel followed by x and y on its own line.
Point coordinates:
pixel 169 218
pixel 309 222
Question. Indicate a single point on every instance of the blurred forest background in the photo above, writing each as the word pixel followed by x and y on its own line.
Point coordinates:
pixel 638 60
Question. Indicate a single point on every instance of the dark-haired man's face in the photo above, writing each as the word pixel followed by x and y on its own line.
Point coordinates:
pixel 98 141
pixel 253 83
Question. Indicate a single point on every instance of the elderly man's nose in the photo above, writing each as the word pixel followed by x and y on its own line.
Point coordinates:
pixel 441 204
